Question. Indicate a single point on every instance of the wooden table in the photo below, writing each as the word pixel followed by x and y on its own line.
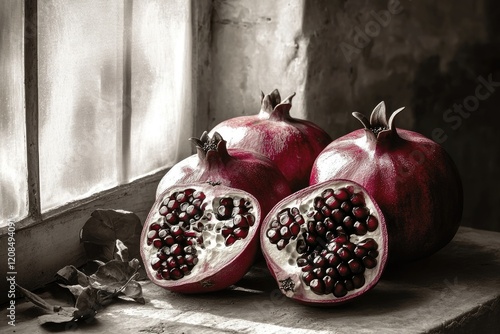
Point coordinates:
pixel 456 290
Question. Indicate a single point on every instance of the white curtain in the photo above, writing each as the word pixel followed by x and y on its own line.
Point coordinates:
pixel 13 170
pixel 94 134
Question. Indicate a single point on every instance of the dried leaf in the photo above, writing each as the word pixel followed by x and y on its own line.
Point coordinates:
pixel 90 301
pixel 37 300
pixel 65 314
pixel 72 276
pixel 104 227
pixel 76 289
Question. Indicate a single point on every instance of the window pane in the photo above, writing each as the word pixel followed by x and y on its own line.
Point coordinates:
pixel 13 170
pixel 80 94
pixel 161 85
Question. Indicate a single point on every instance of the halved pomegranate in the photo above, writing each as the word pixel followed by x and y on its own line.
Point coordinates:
pixel 200 237
pixel 325 244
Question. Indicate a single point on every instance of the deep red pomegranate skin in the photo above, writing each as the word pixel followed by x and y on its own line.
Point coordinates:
pixel 283 261
pixel 237 168
pixel 291 143
pixel 412 178
pixel 210 273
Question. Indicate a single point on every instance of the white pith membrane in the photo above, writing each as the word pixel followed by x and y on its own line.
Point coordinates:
pixel 283 263
pixel 212 253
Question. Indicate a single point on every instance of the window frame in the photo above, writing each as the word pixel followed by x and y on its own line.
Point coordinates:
pixel 53 236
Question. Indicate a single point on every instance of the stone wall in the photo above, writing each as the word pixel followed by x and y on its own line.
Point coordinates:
pixel 341 56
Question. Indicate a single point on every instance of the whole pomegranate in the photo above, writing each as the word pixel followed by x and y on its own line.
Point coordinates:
pixel 291 143
pixel 325 244
pixel 200 237
pixel 412 178
pixel 236 168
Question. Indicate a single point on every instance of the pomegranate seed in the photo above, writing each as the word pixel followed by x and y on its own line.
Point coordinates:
pixel 321 228
pixel 192 210
pixel 319 272
pixel 294 229
pixel 285 232
pixel 332 259
pixel 317 286
pixel 190 250
pixel 239 202
pixel 373 253
pixel 191 260
pixel 328 284
pixel 349 285
pixel 307 277
pixel 163 210
pixel 152 234
pixel 348 222
pixel 181 197
pixel 240 221
pixel 369 244
pixel 275 224
pixel 169 240
pixel 172 205
pixel 299 219
pixel 224 212
pixel 165 274
pixel 154 226
pixel 369 262
pixel 294 211
pixel 183 216
pixel 155 263
pixel 164 253
pixel 190 234
pixel 319 261
pixel 162 233
pixel 185 269
pixel 327 193
pixel 332 272
pixel 310 239
pixel 334 246
pixel 230 239
pixel 301 246
pixel 360 228
pixel 360 251
pixel 301 262
pixel 237 211
pixel 307 268
pixel 350 246
pixel 199 195
pixel 338 215
pixel 360 212
pixel 358 199
pixel 319 203
pixel 326 211
pixel 176 249
pixel 344 253
pixel 341 194
pixel 273 235
pixel 371 223
pixel 346 207
pixel 197 203
pixel 171 217
pixel 176 230
pixel 344 270
pixel 285 219
pixel 158 243
pixel 339 290
pixel 240 232
pixel 318 216
pixel 356 266
pixel 250 219
pixel 311 226
pixel 175 273
pixel 341 239
pixel 358 281
pixel 281 244
pixel 171 263
pixel 333 203
pixel 226 231
pixel 180 260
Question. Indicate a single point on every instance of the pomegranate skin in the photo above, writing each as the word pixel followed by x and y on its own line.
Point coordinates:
pixel 412 179
pixel 235 168
pixel 291 143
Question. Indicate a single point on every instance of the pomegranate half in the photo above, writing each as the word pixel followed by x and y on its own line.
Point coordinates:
pixel 200 237
pixel 325 244
pixel 291 143
pixel 412 178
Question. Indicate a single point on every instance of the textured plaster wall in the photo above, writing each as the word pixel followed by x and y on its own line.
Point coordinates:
pixel 341 56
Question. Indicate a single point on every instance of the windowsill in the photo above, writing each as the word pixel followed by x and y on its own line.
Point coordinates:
pixel 42 248
pixel 455 290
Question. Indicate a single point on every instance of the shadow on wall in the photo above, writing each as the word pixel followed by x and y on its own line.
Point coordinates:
pixel 464 99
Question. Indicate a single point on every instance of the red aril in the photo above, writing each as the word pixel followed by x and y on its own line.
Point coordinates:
pixel 313 251
pixel 200 237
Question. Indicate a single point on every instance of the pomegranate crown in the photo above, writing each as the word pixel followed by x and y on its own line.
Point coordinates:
pixel 206 144
pixel 378 126
pixel 273 108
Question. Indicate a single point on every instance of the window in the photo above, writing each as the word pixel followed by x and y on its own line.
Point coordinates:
pixel 114 94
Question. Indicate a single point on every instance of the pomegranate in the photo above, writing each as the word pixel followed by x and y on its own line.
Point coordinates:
pixel 236 168
pixel 325 244
pixel 200 237
pixel 412 178
pixel 291 143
